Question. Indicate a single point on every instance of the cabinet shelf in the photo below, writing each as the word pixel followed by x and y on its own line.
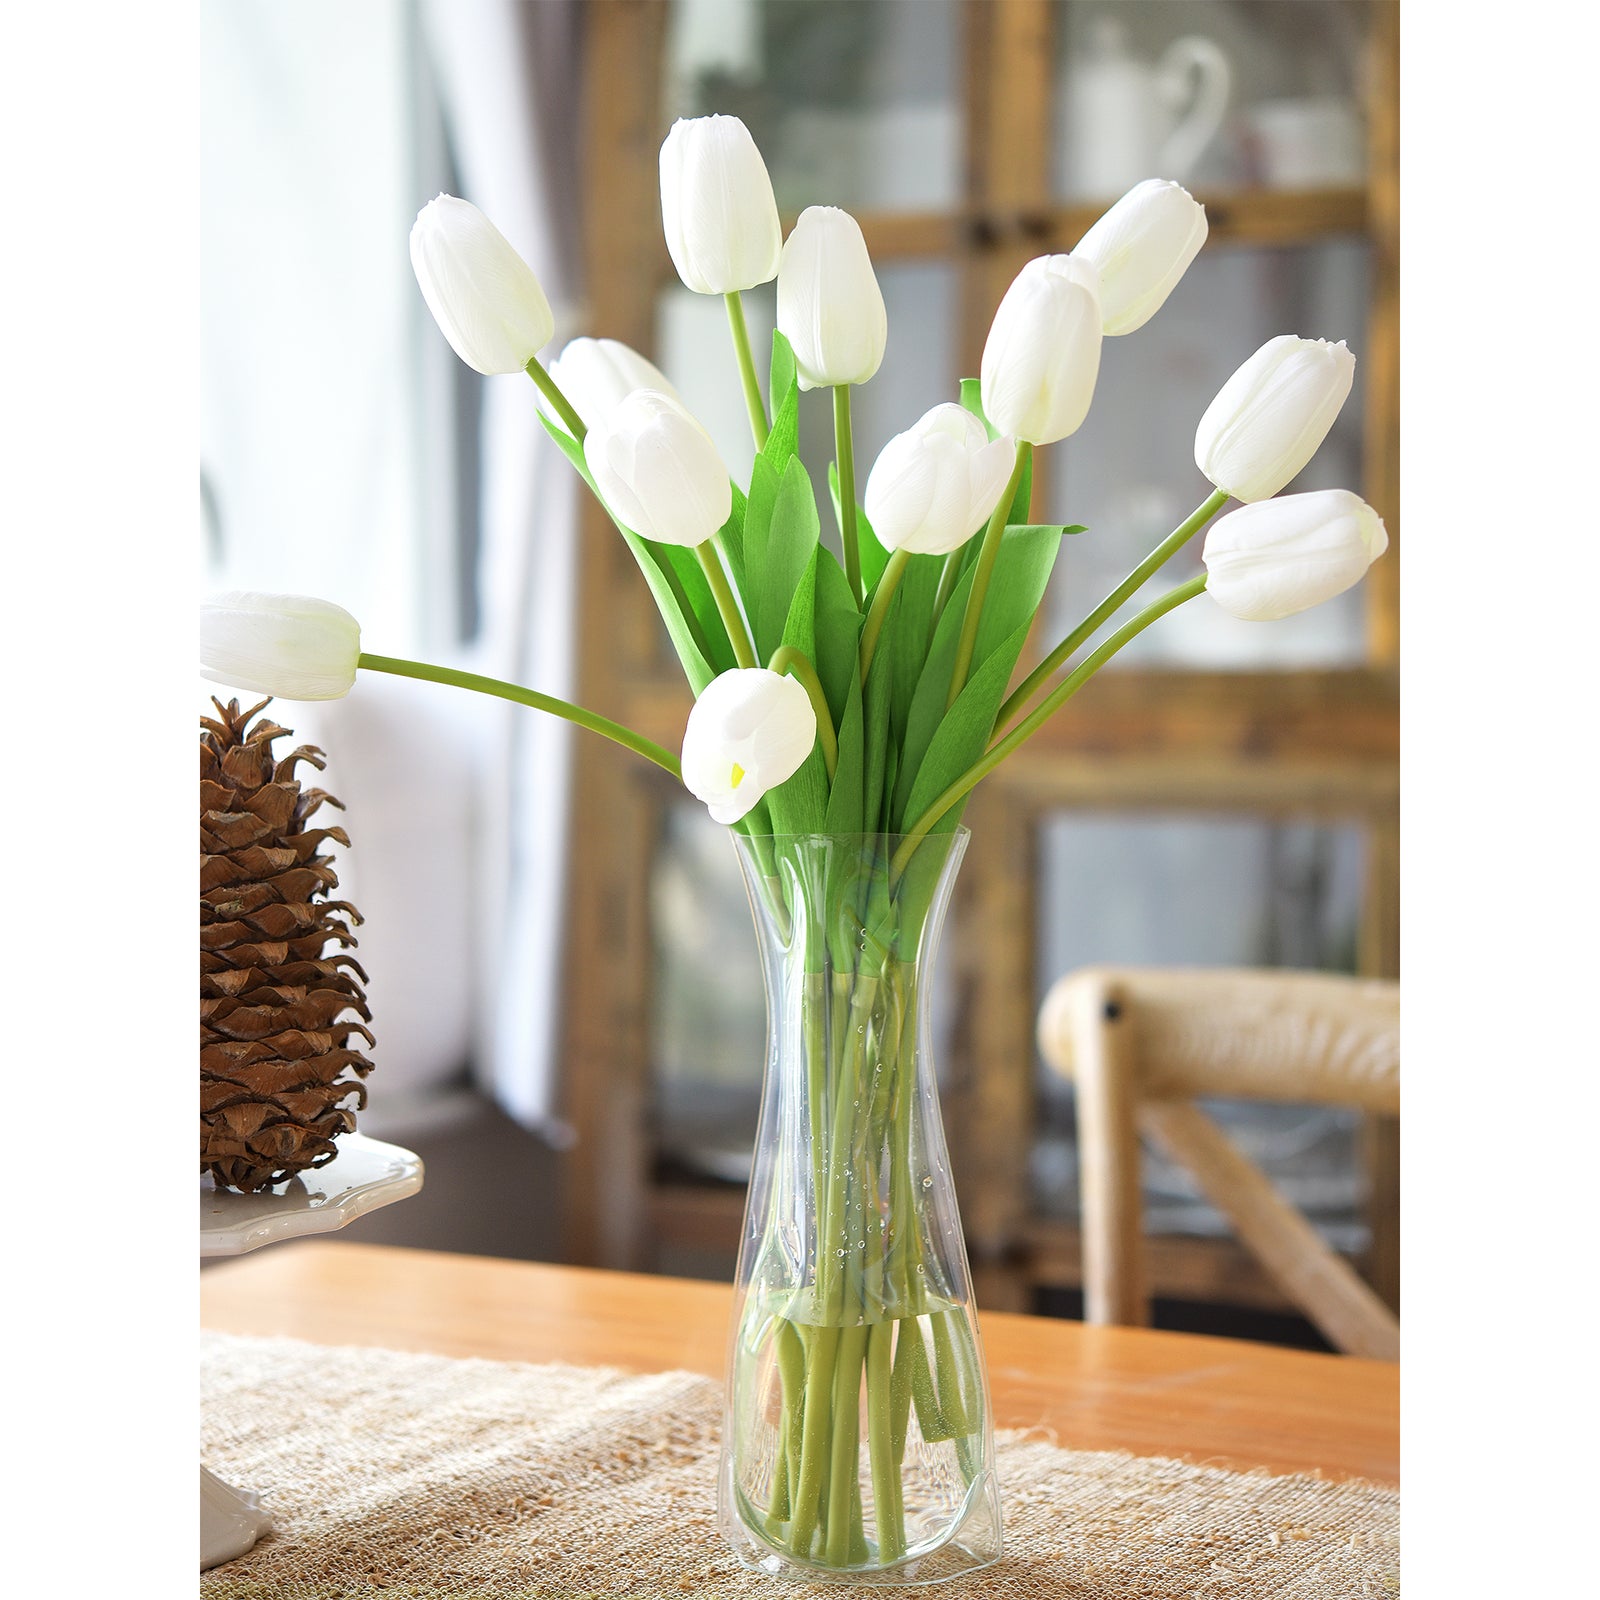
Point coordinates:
pixel 1240 217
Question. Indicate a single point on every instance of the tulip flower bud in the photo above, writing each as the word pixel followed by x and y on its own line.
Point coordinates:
pixel 717 209
pixel 658 470
pixel 935 485
pixel 483 295
pixel 597 374
pixel 1269 418
pixel 1141 247
pixel 830 308
pixel 749 731
pixel 1277 557
pixel 1042 355
pixel 289 645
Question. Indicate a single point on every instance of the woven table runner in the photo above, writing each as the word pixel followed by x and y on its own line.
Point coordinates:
pixel 392 1476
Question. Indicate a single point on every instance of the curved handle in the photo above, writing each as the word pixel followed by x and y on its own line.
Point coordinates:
pixel 1205 62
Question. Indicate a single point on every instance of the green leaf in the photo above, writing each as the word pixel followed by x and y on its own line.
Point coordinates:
pixel 682 564
pixel 697 668
pixel 963 733
pixel 838 631
pixel 799 627
pixel 874 558
pixel 783 438
pixel 764 482
pixel 784 375
pixel 731 537
pixel 791 537
pixel 878 731
pixel 570 448
pixel 799 804
pixel 891 772
pixel 903 644
pixel 1016 586
pixel 845 813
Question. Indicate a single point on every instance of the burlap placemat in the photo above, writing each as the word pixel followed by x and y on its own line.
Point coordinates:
pixel 410 1477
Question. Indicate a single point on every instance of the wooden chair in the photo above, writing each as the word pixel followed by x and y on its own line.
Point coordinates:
pixel 1141 1044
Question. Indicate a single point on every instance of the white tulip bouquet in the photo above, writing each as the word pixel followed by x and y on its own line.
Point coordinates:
pixel 845 707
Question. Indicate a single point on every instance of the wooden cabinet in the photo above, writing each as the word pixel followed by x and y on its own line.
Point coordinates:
pixel 982 191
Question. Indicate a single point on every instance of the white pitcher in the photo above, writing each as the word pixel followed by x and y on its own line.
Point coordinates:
pixel 1126 120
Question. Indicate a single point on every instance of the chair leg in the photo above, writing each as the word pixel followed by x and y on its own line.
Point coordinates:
pixel 1321 1283
pixel 1108 1157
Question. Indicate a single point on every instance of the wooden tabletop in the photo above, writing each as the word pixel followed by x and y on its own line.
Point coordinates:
pixel 1228 1401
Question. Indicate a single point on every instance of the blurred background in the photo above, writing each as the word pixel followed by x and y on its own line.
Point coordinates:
pixel 563 978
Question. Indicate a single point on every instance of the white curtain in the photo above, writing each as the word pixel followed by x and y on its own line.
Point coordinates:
pixel 507 75
pixel 347 453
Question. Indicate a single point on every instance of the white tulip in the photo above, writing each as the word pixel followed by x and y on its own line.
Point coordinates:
pixel 717 209
pixel 597 374
pixel 1042 355
pixel 749 731
pixel 1269 418
pixel 658 470
pixel 1140 248
pixel 290 645
pixel 1277 557
pixel 483 295
pixel 935 485
pixel 830 307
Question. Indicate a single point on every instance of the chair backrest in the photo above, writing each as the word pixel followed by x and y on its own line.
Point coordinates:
pixel 1141 1044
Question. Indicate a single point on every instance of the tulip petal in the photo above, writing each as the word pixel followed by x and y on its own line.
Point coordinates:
pixel 483 295
pixel 294 646
pixel 1273 558
pixel 750 730
pixel 1141 247
pixel 1272 415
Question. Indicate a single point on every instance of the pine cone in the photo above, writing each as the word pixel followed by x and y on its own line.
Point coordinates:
pixel 274 1056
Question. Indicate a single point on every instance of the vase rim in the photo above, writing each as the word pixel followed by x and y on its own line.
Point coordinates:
pixel 960 831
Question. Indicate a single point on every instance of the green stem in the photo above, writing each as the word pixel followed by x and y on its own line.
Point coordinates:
pixel 792 1375
pixel 900 1385
pixel 564 407
pixel 893 572
pixel 606 728
pixel 747 369
pixel 1036 719
pixel 951 1402
pixel 844 1478
pixel 787 659
pixel 744 652
pixel 886 1488
pixel 988 554
pixel 815 1443
pixel 844 452
pixel 1130 585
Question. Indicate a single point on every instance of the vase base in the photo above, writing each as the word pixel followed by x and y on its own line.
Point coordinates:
pixel 972 1543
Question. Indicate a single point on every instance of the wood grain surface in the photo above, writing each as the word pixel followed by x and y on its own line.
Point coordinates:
pixel 1226 1401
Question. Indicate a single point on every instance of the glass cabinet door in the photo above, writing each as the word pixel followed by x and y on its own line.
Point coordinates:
pixel 1259 107
pixel 1219 95
pixel 854 103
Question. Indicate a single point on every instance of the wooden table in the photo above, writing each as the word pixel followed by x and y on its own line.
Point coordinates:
pixel 1221 1400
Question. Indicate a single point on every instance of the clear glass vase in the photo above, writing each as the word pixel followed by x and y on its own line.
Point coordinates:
pixel 858 1441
